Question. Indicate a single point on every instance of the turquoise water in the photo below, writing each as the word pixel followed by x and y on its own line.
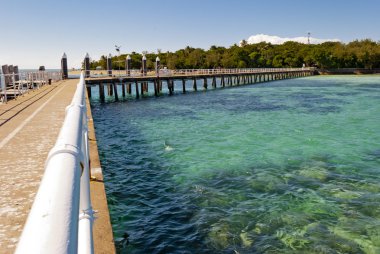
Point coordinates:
pixel 281 167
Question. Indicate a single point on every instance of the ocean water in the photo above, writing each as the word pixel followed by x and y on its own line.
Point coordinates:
pixel 288 166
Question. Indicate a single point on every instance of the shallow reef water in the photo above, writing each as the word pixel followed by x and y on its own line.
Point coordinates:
pixel 289 166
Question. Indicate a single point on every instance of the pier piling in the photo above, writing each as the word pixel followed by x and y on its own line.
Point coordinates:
pixel 101 92
pixel 183 86
pixel 115 91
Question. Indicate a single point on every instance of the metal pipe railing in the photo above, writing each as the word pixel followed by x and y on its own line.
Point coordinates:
pixel 16 84
pixel 177 72
pixel 61 217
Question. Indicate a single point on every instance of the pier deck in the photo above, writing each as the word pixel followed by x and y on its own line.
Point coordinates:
pixel 29 127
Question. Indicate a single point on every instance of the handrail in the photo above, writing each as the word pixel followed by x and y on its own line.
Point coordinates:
pixel 19 83
pixel 61 217
pixel 178 72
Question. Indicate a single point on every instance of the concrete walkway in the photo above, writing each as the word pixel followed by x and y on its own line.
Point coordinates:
pixel 29 129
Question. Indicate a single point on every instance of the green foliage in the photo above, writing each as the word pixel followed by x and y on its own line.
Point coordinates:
pixel 356 54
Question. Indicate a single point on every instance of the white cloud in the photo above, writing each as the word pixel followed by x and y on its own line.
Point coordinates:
pixel 280 40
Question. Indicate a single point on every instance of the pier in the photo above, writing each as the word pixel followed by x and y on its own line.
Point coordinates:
pixel 133 82
pixel 29 127
pixel 59 182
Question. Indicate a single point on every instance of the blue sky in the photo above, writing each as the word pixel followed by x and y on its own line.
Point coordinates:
pixel 35 33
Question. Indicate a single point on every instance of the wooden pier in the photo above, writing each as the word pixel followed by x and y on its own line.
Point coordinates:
pixel 136 84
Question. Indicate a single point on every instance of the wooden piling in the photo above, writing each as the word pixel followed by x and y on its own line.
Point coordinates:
pixel 115 91
pixel 170 86
pixel 101 92
pixel 183 86
pixel 195 84
pixel 142 88
pixel 137 90
pixel 155 87
pixel 123 89
pixel 214 82
pixel 205 83
pixel 109 90
pixel 89 92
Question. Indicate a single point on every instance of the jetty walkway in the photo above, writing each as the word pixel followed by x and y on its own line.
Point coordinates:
pixel 217 78
pixel 29 127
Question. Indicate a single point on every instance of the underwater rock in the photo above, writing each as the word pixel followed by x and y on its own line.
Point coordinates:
pixel 246 240
pixel 345 194
pixel 294 239
pixel 373 231
pixel 218 236
pixel 261 228
pixel 268 183
pixel 315 173
pixel 369 243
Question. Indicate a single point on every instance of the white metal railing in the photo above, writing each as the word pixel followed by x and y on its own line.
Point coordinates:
pixel 61 217
pixel 189 72
pixel 16 84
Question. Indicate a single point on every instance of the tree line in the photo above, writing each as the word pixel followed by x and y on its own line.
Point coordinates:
pixel 328 55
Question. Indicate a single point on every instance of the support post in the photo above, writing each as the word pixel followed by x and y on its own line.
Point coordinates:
pixel 205 83
pixel 137 90
pixel 87 65
pixel 195 84
pixel 155 87
pixel 144 65
pixel 123 89
pixel 183 85
pixel 101 92
pixel 170 86
pixel 109 90
pixel 109 65
pixel 128 65
pixel 115 91
pixel 89 92
pixel 214 82
pixel 64 69
pixel 157 66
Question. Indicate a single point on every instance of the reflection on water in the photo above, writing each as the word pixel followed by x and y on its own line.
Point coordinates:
pixel 283 167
